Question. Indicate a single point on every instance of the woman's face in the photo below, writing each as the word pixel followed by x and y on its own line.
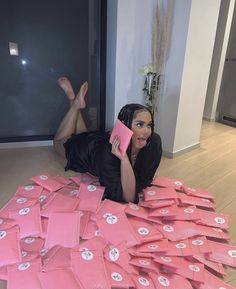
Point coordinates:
pixel 142 129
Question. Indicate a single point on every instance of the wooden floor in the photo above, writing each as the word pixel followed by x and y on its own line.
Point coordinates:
pixel 212 166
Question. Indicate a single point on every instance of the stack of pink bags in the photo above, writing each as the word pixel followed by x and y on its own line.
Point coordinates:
pixel 57 233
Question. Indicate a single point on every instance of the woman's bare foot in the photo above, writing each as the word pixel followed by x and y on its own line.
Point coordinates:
pixel 66 86
pixel 79 101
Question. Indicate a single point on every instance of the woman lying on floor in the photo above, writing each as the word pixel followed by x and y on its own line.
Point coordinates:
pixel 124 175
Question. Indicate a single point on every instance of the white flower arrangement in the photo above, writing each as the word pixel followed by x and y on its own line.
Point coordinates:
pixel 150 85
pixel 147 68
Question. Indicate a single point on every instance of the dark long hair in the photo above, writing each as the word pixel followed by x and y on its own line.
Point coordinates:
pixel 126 115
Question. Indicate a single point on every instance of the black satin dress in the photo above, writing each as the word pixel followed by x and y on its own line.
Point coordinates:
pixel 91 152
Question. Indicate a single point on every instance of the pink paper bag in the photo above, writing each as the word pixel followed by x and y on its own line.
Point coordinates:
pixel 29 191
pixel 56 258
pixel 59 203
pixel 85 178
pixel 10 246
pixel 166 182
pixel 119 278
pixel 178 230
pixel 116 228
pixel 146 264
pixel 188 247
pixel 217 267
pixel 90 197
pixel 200 202
pixel 16 203
pixel 211 232
pixel 154 193
pixel 156 246
pixel 59 278
pixel 137 211
pixel 32 244
pixel 48 182
pixel 71 191
pixel 222 253
pixel 63 229
pixel 213 219
pixel 3 273
pixel 157 204
pixel 124 133
pixel 24 275
pixel 28 219
pixel 212 282
pixel 119 255
pixel 88 264
pixel 143 281
pixel 198 192
pixel 171 281
pixel 145 230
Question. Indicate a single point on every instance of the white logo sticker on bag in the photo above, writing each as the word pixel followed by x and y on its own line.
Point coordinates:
pixel 43 177
pixel 143 231
pixel 232 253
pixel 164 211
pixel 87 255
pixel 91 188
pixel 144 262
pixel 180 246
pixel 197 242
pixel 24 253
pixel 29 187
pixel 97 233
pixel 29 240
pixel 3 234
pixel 164 281
pixel 168 228
pixel 151 193
pixel 178 183
pixel 73 192
pixel 134 207
pixel 143 281
pixel 42 198
pixel 219 220
pixel 116 276
pixel 166 259
pixel 24 211
pixel 111 219
pixel 43 252
pixel 189 210
pixel 153 246
pixel 21 200
pixel 114 254
pixel 194 268
pixel 24 266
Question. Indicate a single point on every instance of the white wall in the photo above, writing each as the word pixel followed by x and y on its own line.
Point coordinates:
pixel 199 50
pixel 218 60
pixel 128 49
pixel 169 100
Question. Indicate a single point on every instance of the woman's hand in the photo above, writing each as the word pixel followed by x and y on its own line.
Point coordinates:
pixel 116 150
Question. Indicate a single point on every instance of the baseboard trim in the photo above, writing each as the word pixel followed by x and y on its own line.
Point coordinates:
pixel 209 119
pixel 26 144
pixel 171 155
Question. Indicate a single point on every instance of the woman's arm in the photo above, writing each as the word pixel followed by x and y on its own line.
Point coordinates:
pixel 127 174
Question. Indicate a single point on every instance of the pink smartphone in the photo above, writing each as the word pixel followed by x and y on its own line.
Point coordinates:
pixel 123 132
